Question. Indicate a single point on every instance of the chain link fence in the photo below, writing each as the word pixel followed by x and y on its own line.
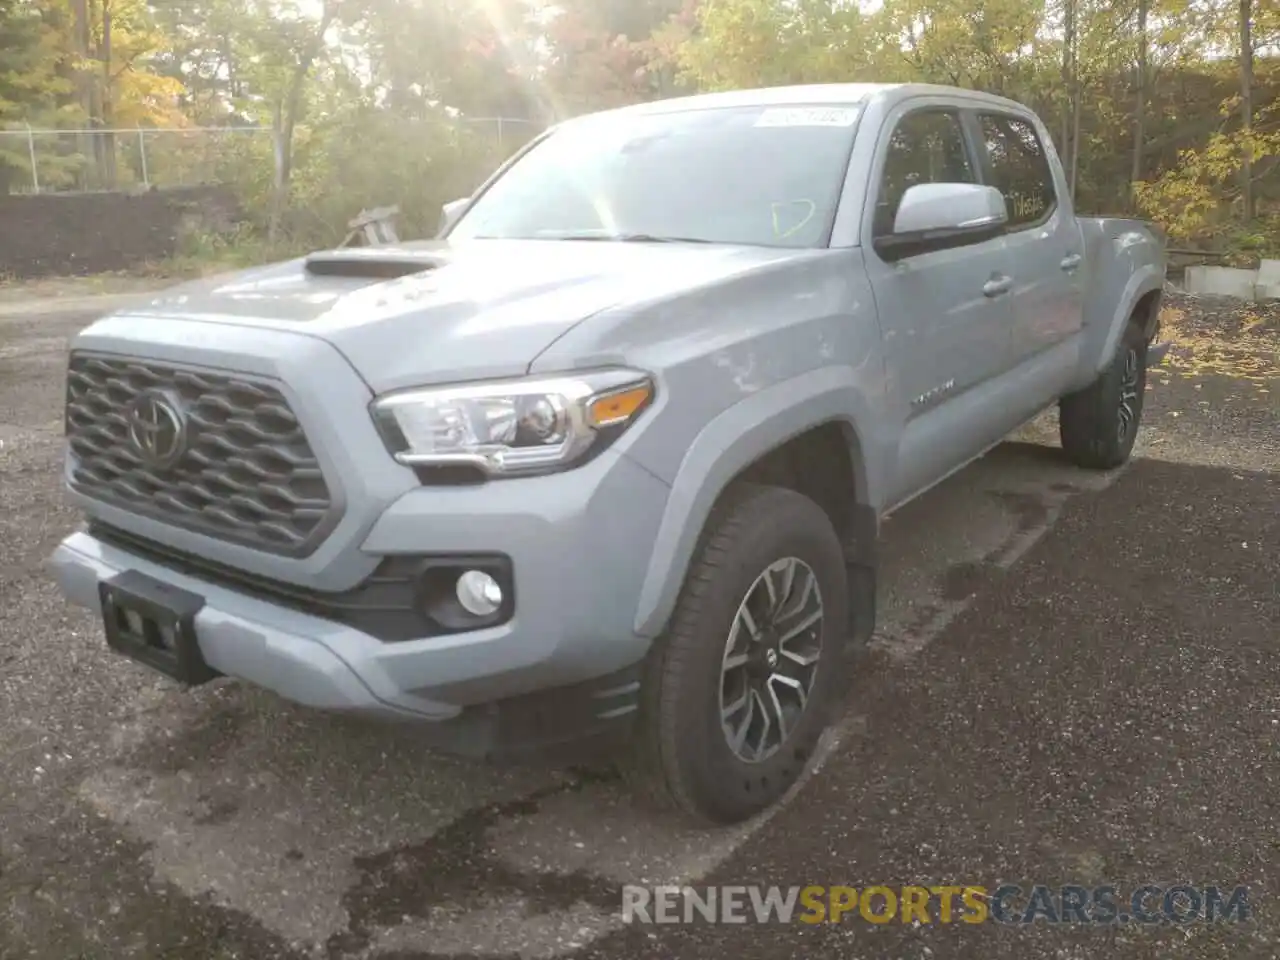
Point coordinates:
pixel 75 160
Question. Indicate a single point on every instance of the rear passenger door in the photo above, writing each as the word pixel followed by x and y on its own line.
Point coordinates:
pixel 943 336
pixel 1043 240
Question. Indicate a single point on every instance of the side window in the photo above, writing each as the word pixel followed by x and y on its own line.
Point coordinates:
pixel 1019 168
pixel 926 146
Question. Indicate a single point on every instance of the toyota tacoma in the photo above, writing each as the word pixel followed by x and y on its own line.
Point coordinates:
pixel 607 458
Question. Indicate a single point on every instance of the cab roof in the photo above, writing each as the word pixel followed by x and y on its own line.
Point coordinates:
pixel 813 93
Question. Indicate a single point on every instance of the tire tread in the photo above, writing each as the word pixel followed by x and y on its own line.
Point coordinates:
pixel 1086 419
pixel 653 769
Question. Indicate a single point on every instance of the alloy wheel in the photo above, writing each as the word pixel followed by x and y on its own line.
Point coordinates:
pixel 1128 396
pixel 771 659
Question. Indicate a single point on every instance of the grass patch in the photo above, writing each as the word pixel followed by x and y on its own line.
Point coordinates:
pixel 204 255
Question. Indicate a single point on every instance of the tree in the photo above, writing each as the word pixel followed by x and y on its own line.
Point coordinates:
pixel 31 82
pixel 364 98
pixel 1246 110
pixel 1140 91
pixel 475 58
pixel 737 43
pixel 202 55
pixel 600 53
pixel 278 42
pixel 108 46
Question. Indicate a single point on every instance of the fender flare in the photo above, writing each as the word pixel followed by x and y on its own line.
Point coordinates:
pixel 1140 284
pixel 732 441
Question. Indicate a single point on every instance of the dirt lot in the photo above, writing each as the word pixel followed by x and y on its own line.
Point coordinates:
pixel 1075 680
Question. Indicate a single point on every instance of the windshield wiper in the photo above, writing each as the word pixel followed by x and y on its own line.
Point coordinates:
pixel 631 238
pixel 651 238
pixel 603 238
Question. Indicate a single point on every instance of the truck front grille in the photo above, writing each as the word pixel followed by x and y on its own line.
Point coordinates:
pixel 218 454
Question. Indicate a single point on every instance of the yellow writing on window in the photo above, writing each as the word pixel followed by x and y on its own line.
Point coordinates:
pixel 1025 206
pixel 807 208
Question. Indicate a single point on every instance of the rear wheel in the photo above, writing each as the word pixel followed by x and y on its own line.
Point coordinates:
pixel 1099 424
pixel 741 686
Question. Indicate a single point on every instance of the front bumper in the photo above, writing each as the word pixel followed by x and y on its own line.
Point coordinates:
pixel 286 651
pixel 579 544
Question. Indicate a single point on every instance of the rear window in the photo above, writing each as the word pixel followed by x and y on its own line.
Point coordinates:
pixel 1019 168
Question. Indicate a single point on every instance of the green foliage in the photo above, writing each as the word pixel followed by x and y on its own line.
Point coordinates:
pixel 372 102
pixel 1198 200
pixel 30 84
pixel 369 159
pixel 1015 48
pixel 206 253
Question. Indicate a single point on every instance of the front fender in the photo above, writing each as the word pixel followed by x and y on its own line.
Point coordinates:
pixel 730 443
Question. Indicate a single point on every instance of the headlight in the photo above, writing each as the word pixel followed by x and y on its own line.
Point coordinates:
pixel 511 427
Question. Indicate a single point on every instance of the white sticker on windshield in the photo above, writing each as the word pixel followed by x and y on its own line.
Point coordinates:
pixel 807 117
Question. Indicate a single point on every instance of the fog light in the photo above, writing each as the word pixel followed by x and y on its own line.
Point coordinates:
pixel 479 593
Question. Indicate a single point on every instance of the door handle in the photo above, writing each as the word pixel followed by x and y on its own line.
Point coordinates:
pixel 1070 262
pixel 996 286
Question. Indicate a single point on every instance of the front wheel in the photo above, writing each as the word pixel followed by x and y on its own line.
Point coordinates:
pixel 1099 424
pixel 739 689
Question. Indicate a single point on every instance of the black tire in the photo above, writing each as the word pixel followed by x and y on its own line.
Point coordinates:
pixel 1099 424
pixel 682 759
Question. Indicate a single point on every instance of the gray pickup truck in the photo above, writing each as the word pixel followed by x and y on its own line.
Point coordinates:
pixel 606 460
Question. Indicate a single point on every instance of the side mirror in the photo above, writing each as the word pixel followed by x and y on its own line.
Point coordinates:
pixel 450 213
pixel 939 216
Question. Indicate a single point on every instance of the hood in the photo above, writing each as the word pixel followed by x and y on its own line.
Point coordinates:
pixel 437 312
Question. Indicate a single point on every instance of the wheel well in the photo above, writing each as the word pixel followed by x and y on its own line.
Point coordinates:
pixel 1146 313
pixel 818 463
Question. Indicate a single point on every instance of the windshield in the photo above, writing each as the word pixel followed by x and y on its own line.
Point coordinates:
pixel 767 176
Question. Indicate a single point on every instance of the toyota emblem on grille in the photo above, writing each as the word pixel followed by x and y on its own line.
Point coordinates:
pixel 157 429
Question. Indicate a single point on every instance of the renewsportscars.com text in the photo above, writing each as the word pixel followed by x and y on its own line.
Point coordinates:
pixel 936 904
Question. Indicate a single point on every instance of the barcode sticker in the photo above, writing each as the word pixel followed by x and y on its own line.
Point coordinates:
pixel 807 117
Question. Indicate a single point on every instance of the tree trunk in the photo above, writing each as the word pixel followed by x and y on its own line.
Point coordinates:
pixel 108 134
pixel 1075 132
pixel 279 183
pixel 84 84
pixel 287 111
pixel 1069 81
pixel 80 11
pixel 1139 100
pixel 1249 201
pixel 95 101
pixel 233 76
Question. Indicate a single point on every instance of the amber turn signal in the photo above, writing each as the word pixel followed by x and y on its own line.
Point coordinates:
pixel 619 406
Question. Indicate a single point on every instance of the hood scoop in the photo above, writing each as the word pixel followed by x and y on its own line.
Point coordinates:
pixel 373 263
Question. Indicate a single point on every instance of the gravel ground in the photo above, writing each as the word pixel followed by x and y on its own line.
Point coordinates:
pixel 1106 714
pixel 1073 681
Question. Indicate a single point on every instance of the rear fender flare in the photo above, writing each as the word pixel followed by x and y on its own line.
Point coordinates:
pixel 1140 284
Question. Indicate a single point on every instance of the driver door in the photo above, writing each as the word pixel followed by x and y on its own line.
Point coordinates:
pixel 945 315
